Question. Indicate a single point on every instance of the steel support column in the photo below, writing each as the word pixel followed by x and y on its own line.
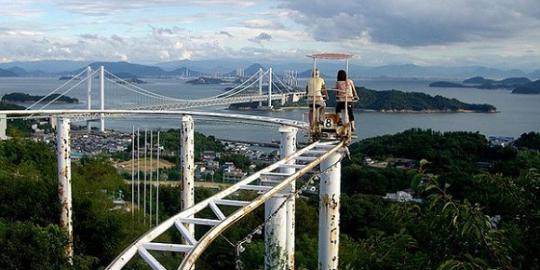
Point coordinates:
pixel 89 95
pixel 329 202
pixel 287 148
pixel 187 163
pixel 63 152
pixel 102 97
pixel 275 233
pixel 279 226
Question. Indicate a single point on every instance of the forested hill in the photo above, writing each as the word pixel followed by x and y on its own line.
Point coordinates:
pixel 464 216
pixel 23 97
pixel 477 206
pixel 399 101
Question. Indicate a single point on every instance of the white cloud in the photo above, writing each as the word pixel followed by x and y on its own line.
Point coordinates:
pixel 105 7
pixel 263 24
pixel 417 22
pixel 260 38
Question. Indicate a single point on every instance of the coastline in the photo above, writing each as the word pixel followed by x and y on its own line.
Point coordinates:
pixel 375 111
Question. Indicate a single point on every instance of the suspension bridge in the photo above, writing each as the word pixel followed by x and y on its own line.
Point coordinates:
pixel 114 92
pixel 275 186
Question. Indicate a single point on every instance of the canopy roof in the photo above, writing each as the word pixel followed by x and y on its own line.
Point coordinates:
pixel 331 56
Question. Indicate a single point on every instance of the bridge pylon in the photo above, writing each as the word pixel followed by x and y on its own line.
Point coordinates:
pixel 102 98
pixel 89 95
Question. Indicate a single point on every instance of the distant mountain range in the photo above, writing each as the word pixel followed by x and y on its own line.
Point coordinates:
pixel 483 83
pixel 229 67
pixel 519 85
pixel 7 73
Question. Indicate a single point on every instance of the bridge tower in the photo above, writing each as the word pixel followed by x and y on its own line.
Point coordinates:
pixel 89 94
pixel 261 76
pixel 270 88
pixel 102 97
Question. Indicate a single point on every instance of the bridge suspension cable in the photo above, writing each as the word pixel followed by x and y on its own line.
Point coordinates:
pixel 65 92
pixel 234 90
pixel 55 90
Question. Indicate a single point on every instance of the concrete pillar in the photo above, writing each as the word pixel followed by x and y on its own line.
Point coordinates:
pixel 89 95
pixel 279 230
pixel 275 234
pixel 102 97
pixel 329 202
pixel 3 127
pixel 270 87
pixel 52 122
pixel 288 147
pixel 63 152
pixel 187 164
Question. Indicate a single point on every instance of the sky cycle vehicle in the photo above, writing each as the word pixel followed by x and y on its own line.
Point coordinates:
pixel 330 126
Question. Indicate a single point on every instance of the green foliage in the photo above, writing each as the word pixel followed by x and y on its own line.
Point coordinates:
pixel 239 160
pixel 28 193
pixel 17 128
pixel 170 140
pixel 24 245
pixel 357 178
pixel 452 228
pixel 529 140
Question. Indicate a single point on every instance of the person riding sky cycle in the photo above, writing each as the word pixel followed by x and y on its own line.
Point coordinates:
pixel 346 94
pixel 316 96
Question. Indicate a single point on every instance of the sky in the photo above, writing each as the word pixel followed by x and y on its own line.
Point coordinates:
pixel 496 33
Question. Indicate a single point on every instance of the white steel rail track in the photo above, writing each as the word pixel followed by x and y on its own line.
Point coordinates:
pixel 316 152
pixel 271 182
pixel 77 114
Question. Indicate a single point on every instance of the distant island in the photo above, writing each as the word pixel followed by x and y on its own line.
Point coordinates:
pixel 483 83
pixel 131 80
pixel 67 78
pixel 23 98
pixel 399 101
pixel 530 88
pixel 395 101
pixel 206 80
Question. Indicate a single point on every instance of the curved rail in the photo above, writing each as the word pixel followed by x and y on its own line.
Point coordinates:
pixel 269 182
pixel 121 113
pixel 314 153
